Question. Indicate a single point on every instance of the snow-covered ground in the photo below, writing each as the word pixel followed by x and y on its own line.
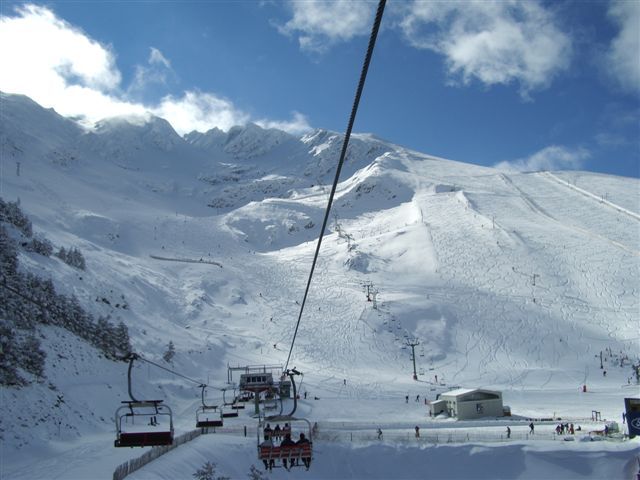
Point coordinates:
pixel 514 282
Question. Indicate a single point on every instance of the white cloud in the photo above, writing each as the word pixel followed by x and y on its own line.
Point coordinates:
pixel 157 58
pixel 554 157
pixel 623 57
pixel 296 126
pixel 43 55
pixel 493 41
pixel 60 66
pixel 157 71
pixel 321 24
pixel 199 111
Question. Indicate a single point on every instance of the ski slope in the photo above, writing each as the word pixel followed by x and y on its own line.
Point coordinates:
pixel 513 282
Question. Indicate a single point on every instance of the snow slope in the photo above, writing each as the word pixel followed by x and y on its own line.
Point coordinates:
pixel 515 282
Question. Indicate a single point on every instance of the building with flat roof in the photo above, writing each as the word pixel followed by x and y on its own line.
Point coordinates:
pixel 468 403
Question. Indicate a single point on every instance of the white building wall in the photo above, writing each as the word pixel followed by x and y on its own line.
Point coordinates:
pixel 464 407
pixel 479 408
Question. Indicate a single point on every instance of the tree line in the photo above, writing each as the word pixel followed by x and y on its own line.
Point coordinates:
pixel 27 300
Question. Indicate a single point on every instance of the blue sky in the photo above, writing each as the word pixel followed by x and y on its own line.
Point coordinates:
pixel 525 85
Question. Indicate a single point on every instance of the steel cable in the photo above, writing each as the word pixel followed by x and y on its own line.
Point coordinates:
pixel 345 144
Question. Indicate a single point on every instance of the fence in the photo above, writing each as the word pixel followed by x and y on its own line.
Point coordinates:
pixel 132 465
pixel 365 433
pixel 439 436
pixel 403 433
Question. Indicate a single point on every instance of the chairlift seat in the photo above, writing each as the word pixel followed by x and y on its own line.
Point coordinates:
pixel 230 414
pixel 144 439
pixel 288 452
pixel 144 435
pixel 209 423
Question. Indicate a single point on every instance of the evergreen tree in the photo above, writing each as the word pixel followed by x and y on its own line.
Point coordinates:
pixel 206 472
pixel 8 361
pixel 40 245
pixel 256 474
pixel 32 357
pixel 76 259
pixel 11 212
pixel 27 300
pixel 170 353
pixel 62 254
pixel 8 255
pixel 121 339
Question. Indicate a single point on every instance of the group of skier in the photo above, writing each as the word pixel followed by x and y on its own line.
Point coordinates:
pixel 287 442
pixel 565 428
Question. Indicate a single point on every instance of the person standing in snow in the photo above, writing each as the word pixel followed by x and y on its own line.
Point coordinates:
pixel 531 428
pixel 406 399
pixel 417 431
pixel 508 432
pixel 379 433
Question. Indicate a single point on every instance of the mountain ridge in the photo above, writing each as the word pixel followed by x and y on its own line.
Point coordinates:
pixel 511 281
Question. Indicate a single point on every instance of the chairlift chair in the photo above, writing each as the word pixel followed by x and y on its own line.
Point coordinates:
pixel 298 452
pixel 227 414
pixel 208 416
pixel 271 400
pixel 149 432
pixel 156 427
pixel 237 405
pixel 237 401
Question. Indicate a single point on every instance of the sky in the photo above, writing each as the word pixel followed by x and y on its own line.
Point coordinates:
pixel 522 85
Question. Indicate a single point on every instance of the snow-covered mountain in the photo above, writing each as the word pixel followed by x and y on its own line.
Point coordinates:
pixel 510 281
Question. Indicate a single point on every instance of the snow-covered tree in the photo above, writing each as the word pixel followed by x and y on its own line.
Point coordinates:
pixel 257 474
pixel 11 212
pixel 40 245
pixel 76 259
pixel 170 352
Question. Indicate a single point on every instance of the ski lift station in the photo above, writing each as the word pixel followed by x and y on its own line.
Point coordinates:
pixel 467 404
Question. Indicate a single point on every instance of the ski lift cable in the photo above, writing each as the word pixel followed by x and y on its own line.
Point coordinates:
pixel 137 356
pixel 345 144
pixel 4 284
pixel 197 382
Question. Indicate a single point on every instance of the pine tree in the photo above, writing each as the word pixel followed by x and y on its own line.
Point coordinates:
pixel 102 338
pixel 8 357
pixel 75 259
pixel 256 474
pixel 121 339
pixel 206 472
pixel 62 254
pixel 40 245
pixel 11 212
pixel 170 353
pixel 32 357
pixel 8 255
